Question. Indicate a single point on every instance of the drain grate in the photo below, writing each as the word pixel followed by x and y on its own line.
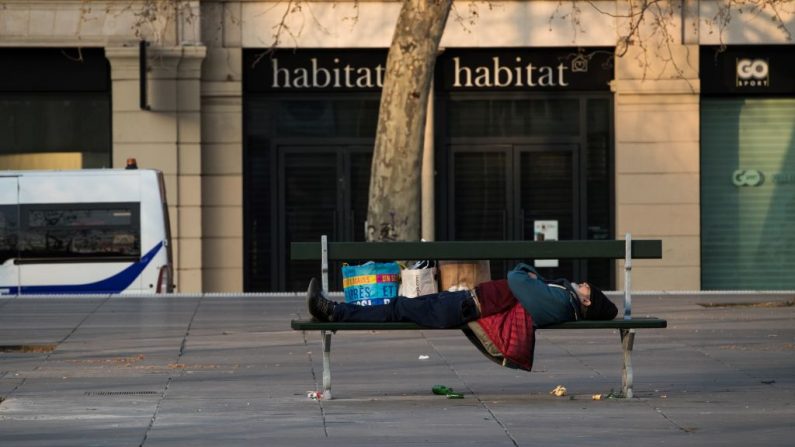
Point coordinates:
pixel 122 393
pixel 789 303
pixel 49 347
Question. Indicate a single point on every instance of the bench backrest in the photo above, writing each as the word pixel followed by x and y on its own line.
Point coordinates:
pixel 468 250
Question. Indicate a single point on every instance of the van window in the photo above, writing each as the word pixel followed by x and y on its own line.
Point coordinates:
pixel 8 232
pixel 62 232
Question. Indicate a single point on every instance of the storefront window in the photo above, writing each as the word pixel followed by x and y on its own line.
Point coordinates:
pixel 307 174
pixel 513 117
pixel 55 109
pixel 516 162
pixel 58 131
pixel 316 117
pixel 521 136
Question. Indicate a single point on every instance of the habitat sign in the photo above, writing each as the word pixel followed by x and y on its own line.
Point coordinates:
pixel 314 70
pixel 456 69
pixel 534 69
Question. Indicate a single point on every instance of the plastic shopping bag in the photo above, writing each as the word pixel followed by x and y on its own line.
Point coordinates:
pixel 370 284
pixel 419 279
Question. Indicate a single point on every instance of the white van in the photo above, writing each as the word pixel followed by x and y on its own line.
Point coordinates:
pixel 102 231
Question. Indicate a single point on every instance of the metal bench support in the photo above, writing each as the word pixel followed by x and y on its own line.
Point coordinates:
pixel 627 341
pixel 628 276
pixel 326 340
pixel 325 335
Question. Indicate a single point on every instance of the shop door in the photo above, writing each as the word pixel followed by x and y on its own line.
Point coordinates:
pixel 321 191
pixel 747 193
pixel 499 192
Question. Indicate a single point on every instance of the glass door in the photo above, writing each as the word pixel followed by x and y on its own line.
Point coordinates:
pixel 481 193
pixel 545 180
pixel 500 192
pixel 321 191
pixel 508 161
pixel 308 207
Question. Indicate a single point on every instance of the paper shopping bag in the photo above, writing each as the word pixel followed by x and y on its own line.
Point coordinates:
pixel 463 275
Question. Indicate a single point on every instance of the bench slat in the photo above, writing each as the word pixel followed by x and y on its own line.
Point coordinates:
pixel 461 250
pixel 635 323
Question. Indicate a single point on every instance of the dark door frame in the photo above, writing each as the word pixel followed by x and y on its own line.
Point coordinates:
pixel 576 180
pixel 452 150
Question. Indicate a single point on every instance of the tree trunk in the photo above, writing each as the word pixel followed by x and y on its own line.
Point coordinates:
pixel 393 212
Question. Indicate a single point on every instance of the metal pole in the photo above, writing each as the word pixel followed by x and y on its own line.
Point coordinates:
pixel 628 277
pixel 627 342
pixel 326 339
pixel 324 263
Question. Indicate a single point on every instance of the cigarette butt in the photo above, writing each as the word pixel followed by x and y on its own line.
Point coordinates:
pixel 596 397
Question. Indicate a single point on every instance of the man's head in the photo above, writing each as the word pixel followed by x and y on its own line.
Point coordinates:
pixel 594 305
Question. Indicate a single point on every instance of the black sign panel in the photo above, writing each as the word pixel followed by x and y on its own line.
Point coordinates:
pixel 316 70
pixel 747 70
pixel 54 70
pixel 530 69
pixel 526 69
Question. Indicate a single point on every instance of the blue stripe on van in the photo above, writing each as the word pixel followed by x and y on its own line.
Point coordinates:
pixel 115 284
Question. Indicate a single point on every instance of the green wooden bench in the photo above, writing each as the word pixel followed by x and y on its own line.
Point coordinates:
pixel 627 249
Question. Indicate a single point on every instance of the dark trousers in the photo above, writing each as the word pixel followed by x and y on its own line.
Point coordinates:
pixel 438 310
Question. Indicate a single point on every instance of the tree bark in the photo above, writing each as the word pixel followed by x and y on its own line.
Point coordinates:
pixel 393 212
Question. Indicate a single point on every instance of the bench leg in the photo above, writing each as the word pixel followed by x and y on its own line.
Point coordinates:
pixel 326 341
pixel 627 341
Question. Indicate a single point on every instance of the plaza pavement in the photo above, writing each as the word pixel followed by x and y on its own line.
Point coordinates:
pixel 219 370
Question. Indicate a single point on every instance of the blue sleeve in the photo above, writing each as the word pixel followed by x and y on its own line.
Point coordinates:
pixel 522 267
pixel 527 289
pixel 545 304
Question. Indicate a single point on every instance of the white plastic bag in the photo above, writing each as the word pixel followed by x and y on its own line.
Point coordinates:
pixel 418 281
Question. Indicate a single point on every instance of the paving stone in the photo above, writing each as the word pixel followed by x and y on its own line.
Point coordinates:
pixel 225 370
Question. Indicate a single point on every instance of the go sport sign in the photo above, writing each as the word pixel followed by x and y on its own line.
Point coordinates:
pixel 748 70
pixel 457 69
pixel 753 73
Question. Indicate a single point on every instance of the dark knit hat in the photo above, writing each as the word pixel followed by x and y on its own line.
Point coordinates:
pixel 601 307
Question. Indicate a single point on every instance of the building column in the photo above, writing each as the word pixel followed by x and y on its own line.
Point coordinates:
pixel 222 148
pixel 165 137
pixel 657 163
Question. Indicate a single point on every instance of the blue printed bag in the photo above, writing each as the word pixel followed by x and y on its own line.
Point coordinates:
pixel 370 284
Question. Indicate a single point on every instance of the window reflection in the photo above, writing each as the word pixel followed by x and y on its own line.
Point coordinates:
pixel 8 232
pixel 344 117
pixel 513 117
pixel 63 231
pixel 54 131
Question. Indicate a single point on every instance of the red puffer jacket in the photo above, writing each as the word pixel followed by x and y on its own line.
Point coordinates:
pixel 506 323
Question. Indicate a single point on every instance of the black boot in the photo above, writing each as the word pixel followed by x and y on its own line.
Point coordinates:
pixel 319 307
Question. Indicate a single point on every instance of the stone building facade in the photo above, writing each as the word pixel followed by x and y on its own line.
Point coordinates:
pixel 241 148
